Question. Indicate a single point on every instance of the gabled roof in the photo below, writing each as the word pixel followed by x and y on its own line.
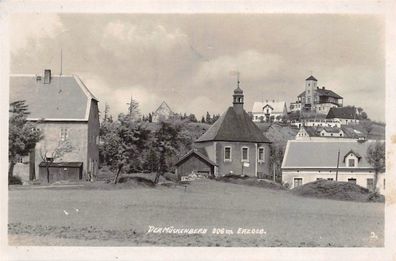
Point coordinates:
pixel 323 154
pixel 311 78
pixel 65 98
pixel 328 93
pixel 342 113
pixel 233 126
pixel 277 107
pixel 354 153
pixel 163 107
pixel 324 92
pixel 199 154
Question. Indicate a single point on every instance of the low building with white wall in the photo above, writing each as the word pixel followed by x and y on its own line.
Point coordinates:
pixel 265 111
pixel 308 161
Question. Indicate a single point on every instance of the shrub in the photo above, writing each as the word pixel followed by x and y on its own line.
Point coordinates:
pixel 14 180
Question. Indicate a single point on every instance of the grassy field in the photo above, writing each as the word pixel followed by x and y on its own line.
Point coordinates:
pixel 121 217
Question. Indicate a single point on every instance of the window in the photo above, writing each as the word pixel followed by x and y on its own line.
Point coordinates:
pixel 370 184
pixel 245 154
pixel 261 154
pixel 227 154
pixel 352 180
pixel 297 182
pixel 384 183
pixel 64 134
pixel 351 162
pixel 330 179
pixel 340 134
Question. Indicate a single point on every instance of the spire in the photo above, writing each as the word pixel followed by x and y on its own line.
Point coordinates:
pixel 238 97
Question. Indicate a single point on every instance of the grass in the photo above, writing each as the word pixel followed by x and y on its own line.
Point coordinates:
pixel 121 217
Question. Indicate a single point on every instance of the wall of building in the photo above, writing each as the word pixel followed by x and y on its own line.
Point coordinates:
pixel 235 165
pixel 93 142
pixel 196 164
pixel 307 176
pixel 324 107
pixel 77 137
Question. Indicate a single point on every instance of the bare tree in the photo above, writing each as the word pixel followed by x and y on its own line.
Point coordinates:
pixel 49 157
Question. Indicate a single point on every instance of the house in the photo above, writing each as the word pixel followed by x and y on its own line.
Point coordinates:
pixel 308 161
pixel 233 144
pixel 266 111
pixel 163 112
pixel 316 123
pixel 66 112
pixel 309 133
pixel 346 115
pixel 317 99
pixel 195 162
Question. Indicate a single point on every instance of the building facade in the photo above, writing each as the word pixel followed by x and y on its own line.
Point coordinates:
pixel 269 111
pixel 314 98
pixel 345 115
pixel 163 112
pixel 66 113
pixel 308 161
pixel 235 144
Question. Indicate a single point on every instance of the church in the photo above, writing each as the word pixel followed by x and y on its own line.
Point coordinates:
pixel 232 145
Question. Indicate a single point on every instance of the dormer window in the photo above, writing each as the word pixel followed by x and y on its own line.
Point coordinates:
pixel 351 163
pixel 351 159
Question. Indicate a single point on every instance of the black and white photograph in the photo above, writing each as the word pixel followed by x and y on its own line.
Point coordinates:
pixel 198 130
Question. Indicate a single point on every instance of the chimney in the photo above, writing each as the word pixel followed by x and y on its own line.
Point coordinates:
pixel 47 76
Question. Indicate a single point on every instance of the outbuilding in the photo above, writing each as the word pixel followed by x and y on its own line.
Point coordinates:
pixel 195 163
pixel 65 171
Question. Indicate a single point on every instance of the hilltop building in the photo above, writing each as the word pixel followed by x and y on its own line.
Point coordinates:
pixel 317 99
pixel 232 145
pixel 66 112
pixel 308 161
pixel 269 111
pixel 346 115
pixel 163 112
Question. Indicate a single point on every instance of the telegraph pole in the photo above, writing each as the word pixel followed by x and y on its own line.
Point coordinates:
pixel 338 162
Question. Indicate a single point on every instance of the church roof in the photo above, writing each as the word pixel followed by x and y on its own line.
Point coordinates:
pixel 233 126
pixel 311 78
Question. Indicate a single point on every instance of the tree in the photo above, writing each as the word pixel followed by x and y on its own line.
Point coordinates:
pixel 203 119
pixel 48 157
pixel 192 118
pixel 170 140
pixel 23 135
pixel 208 118
pixel 376 158
pixel 122 145
pixel 133 110
pixel 276 157
pixel 150 117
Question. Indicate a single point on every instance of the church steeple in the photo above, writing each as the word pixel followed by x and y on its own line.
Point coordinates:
pixel 238 98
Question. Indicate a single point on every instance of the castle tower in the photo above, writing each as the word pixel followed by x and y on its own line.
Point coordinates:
pixel 310 87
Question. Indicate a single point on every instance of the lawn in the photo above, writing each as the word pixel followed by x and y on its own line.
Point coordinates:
pixel 121 217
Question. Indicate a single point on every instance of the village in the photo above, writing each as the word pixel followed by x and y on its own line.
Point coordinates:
pixel 314 147
pixel 196 130
pixel 75 143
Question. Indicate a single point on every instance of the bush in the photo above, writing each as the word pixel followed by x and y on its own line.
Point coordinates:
pixel 15 180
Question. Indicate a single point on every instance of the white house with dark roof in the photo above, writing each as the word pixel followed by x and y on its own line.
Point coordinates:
pixel 346 115
pixel 308 161
pixel 264 111
pixel 65 111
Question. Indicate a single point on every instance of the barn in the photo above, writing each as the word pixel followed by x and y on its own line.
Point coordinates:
pixel 195 162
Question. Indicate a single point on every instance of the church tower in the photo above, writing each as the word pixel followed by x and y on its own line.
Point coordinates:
pixel 310 87
pixel 238 99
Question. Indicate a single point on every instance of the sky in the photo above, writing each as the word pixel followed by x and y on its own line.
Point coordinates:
pixel 188 60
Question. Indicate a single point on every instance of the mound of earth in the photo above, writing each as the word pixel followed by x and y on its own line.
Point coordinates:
pixel 337 190
pixel 250 181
